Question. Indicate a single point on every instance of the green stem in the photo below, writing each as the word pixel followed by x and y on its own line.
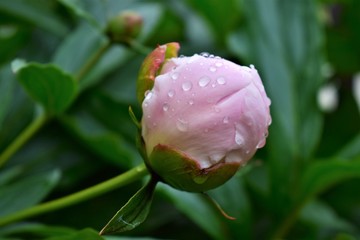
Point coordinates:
pixel 93 60
pixel 286 225
pixel 138 47
pixel 24 136
pixel 130 176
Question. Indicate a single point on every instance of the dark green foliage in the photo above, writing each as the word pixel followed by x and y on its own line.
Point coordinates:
pixel 302 185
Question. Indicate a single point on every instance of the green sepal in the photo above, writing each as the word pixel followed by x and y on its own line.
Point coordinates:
pixel 134 212
pixel 181 172
pixel 134 119
pixel 151 66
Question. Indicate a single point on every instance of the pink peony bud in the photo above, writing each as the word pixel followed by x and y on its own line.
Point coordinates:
pixel 204 118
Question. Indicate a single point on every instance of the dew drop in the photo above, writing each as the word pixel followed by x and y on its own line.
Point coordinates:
pixel 148 95
pixel 171 93
pixel 165 107
pixel 218 64
pixel 186 86
pixel 261 143
pixel 204 54
pixel 226 120
pixel 191 102
pixel 211 56
pixel 239 139
pixel 270 121
pixel 200 179
pixel 182 125
pixel 247 151
pixel 175 75
pixel 204 81
pixel 252 66
pixel 213 85
pixel 212 69
pixel 221 80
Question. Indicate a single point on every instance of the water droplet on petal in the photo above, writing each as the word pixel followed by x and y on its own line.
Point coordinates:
pixel 191 102
pixel 221 80
pixel 204 54
pixel 218 64
pixel 211 56
pixel 212 69
pixel 148 94
pixel 252 66
pixel 261 143
pixel 186 86
pixel 213 85
pixel 239 139
pixel 175 75
pixel 165 107
pixel 247 151
pixel 204 81
pixel 182 125
pixel 171 93
pixel 226 120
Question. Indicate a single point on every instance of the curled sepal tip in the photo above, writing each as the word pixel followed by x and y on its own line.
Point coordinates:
pixel 151 65
pixel 217 206
pixel 134 212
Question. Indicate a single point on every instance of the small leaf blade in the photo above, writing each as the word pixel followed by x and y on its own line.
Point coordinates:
pixel 134 212
pixel 48 85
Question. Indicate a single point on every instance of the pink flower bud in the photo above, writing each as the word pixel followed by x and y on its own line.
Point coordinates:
pixel 210 112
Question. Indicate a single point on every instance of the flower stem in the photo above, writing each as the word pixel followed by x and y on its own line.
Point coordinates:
pixel 139 48
pixel 288 222
pixel 130 176
pixel 92 61
pixel 24 136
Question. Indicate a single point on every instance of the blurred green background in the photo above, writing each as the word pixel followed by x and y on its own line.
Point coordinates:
pixel 303 185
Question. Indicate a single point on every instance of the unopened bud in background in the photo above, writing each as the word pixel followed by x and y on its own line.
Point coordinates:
pixel 124 27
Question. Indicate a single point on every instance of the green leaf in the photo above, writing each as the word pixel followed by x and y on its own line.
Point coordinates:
pixel 233 198
pixel 197 209
pixel 222 16
pixel 75 42
pixel 39 13
pixel 48 85
pixel 134 212
pixel 78 9
pixel 87 233
pixel 324 217
pixel 35 229
pixel 26 192
pixel 99 139
pixel 6 91
pixel 319 176
pixel 351 150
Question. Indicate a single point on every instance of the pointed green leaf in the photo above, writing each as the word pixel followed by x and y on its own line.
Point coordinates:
pixel 321 175
pixel 27 191
pixel 48 85
pixel 134 212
